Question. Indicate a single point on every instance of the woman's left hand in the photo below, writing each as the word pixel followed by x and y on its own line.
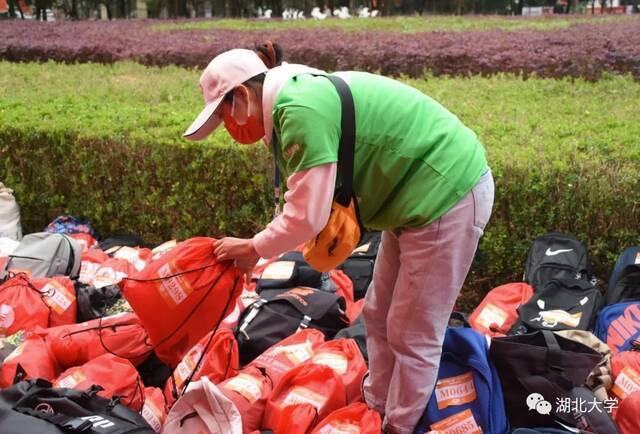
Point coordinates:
pixel 239 250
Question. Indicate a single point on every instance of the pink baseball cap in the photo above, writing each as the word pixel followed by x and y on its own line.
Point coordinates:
pixel 225 72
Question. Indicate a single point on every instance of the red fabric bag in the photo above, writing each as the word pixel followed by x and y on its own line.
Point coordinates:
pixel 497 312
pixel 138 257
pixel 30 360
pixel 625 367
pixel 297 419
pixel 59 295
pixel 249 391
pixel 344 287
pixel 86 241
pixel 308 383
pixel 117 376
pixel 345 358
pixel 221 361
pixel 289 353
pixel 154 408
pixel 91 261
pixel 355 418
pixel 626 416
pixel 182 295
pixel 21 306
pixel 120 334
pixel 112 272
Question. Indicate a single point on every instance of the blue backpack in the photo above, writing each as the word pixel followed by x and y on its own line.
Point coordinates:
pixel 618 325
pixel 468 389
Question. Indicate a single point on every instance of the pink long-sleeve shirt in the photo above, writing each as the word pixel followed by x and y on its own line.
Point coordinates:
pixel 309 192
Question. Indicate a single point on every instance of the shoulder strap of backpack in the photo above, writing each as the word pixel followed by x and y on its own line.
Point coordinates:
pixel 346 150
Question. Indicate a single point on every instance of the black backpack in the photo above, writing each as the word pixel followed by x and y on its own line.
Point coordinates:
pixel 359 266
pixel 279 313
pixel 562 305
pixel 627 286
pixel 93 302
pixel 34 407
pixel 556 257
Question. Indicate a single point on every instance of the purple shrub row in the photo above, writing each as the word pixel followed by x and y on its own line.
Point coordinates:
pixel 585 50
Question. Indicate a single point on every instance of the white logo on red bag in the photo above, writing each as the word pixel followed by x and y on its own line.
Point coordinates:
pixel 6 317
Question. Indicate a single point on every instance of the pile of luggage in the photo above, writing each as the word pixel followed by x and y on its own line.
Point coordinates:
pixel 116 336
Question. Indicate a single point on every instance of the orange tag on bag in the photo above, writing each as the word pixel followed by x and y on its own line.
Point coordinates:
pixel 627 382
pixel 247 386
pixel 152 415
pixel 456 390
pixel 173 289
pixel 459 423
pixel 492 314
pixel 71 381
pixel 297 353
pixel 56 296
pixel 336 361
pixel 185 367
pixel 302 395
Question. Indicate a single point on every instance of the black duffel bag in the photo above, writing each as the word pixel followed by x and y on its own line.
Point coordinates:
pixel 34 407
pixel 279 313
pixel 541 363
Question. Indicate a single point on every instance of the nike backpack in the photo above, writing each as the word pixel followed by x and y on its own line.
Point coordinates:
pixel 279 313
pixel 359 266
pixel 618 325
pixel 562 305
pixel 630 256
pixel 468 390
pixel 556 257
pixel 626 286
pixel 45 255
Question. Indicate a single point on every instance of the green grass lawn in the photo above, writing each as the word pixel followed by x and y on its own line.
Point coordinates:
pixel 518 120
pixel 426 23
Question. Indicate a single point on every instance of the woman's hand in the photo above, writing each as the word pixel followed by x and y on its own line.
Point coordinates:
pixel 239 250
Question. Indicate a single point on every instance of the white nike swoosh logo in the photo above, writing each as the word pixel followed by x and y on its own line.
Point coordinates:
pixel 550 252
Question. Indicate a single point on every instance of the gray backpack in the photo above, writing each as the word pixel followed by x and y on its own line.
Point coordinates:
pixel 44 255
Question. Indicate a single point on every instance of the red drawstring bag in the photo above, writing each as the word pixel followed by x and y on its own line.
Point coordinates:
pixel 91 261
pixel 117 376
pixel 21 306
pixel 86 241
pixel 221 361
pixel 355 418
pixel 112 271
pixel 182 295
pixel 59 294
pixel 344 287
pixel 626 416
pixel 139 257
pixel 30 360
pixel 121 334
pixel 249 391
pixel 289 353
pixel 625 367
pixel 308 383
pixel 154 408
pixel 345 358
pixel 297 419
pixel 497 312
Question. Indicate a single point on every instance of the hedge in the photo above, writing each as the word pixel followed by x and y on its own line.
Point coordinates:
pixel 105 142
pixel 586 50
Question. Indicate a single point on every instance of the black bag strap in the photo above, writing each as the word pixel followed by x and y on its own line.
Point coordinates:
pixel 69 424
pixel 346 150
pixel 347 147
pixel 554 352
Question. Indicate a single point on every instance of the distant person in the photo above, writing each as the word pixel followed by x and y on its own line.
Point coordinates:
pixel 420 176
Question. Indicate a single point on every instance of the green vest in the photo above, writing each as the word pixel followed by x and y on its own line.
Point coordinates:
pixel 414 159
